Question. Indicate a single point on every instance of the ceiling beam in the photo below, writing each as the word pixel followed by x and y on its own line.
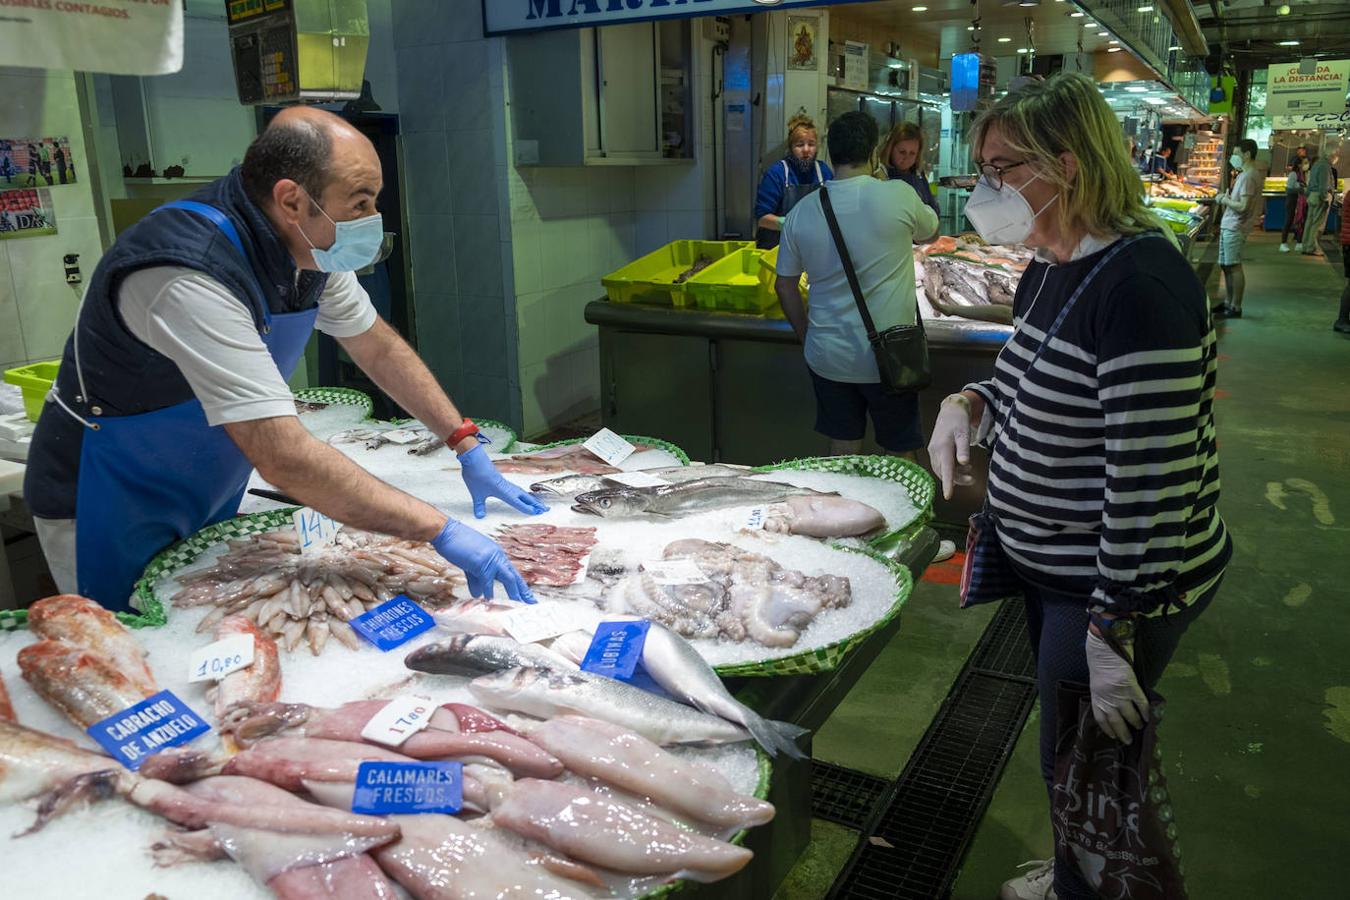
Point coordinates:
pixel 1187 27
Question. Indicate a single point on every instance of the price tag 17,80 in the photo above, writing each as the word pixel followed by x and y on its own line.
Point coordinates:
pixel 399 720
pixel 216 660
pixel 314 529
pixel 674 571
pixel 609 446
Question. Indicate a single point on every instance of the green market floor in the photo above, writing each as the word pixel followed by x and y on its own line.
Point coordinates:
pixel 1257 741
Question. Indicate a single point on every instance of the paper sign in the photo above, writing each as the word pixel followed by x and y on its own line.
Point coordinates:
pixel 616 649
pixel 609 446
pixel 139 732
pixel 755 520
pixel 214 661
pixel 674 571
pixel 393 623
pixel 636 479
pixel 399 720
pixel 403 436
pixel 314 529
pixel 539 622
pixel 387 788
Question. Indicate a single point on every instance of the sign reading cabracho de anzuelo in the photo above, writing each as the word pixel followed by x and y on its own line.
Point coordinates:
pixel 1290 92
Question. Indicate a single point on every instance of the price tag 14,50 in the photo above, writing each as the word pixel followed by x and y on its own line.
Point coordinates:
pixel 399 720
pixel 314 529
pixel 214 661
pixel 609 446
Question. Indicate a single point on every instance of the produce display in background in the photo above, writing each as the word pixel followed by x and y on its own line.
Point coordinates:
pixel 1179 190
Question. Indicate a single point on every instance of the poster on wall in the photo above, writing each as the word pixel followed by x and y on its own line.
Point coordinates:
pixel 802 32
pixel 36 162
pixel 1293 91
pixel 120 37
pixel 26 213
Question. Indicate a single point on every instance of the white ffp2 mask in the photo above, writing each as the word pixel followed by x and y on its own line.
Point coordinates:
pixel 1002 215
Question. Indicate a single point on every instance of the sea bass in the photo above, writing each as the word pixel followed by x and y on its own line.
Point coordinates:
pixel 685 499
pixel 546 694
pixel 571 485
pixel 473 655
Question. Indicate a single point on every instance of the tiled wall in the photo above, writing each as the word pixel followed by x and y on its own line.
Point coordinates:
pixel 37 307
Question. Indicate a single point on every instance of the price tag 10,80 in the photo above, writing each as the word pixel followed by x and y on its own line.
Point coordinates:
pixel 609 446
pixel 314 529
pixel 216 660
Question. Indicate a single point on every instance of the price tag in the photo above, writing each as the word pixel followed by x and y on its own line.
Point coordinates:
pixel 674 571
pixel 636 479
pixel 214 661
pixel 616 649
pixel 139 732
pixel 755 520
pixel 399 720
pixel 403 436
pixel 389 788
pixel 393 623
pixel 609 446
pixel 314 529
pixel 539 622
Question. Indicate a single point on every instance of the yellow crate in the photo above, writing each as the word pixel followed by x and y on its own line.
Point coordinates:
pixel 732 285
pixel 768 275
pixel 35 381
pixel 651 279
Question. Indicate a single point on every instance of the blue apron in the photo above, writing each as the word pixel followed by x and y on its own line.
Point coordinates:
pixel 148 480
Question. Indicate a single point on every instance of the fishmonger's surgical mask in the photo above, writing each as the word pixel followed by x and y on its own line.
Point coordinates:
pixel 1002 215
pixel 355 246
pixel 1236 160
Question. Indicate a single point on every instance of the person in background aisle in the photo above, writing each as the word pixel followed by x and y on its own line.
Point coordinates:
pixel 1160 163
pixel 1295 177
pixel 1103 473
pixel 1320 187
pixel 191 324
pixel 787 181
pixel 1343 317
pixel 902 155
pixel 879 221
pixel 1241 213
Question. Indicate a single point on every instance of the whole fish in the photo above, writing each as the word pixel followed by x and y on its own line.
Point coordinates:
pixel 571 485
pixel 83 623
pixel 259 682
pixel 6 708
pixel 85 685
pixel 472 655
pixel 546 694
pixel 691 497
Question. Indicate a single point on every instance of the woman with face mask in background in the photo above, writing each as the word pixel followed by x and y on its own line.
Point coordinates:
pixel 787 181
pixel 1103 471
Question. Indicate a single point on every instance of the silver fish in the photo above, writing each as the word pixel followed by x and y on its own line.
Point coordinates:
pixel 571 485
pixel 480 654
pixel 686 499
pixel 543 694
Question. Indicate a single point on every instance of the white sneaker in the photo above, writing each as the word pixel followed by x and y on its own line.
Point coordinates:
pixel 946 550
pixel 1298 247
pixel 1284 248
pixel 1038 884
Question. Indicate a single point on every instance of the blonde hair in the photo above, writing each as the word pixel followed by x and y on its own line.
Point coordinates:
pixel 1067 114
pixel 903 131
pixel 801 123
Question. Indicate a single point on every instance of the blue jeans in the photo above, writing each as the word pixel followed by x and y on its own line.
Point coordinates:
pixel 1057 627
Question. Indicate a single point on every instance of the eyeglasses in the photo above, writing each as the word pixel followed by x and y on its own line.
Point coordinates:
pixel 994 174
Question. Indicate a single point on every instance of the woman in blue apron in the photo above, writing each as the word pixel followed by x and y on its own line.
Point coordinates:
pixel 787 181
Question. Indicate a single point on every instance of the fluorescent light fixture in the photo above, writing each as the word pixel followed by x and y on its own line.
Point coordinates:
pixel 1101 34
pixel 1112 49
pixel 1005 40
pixel 918 9
pixel 1146 8
pixel 1022 50
pixel 1075 15
pixel 1114 41
pixel 1155 101
pixel 1283 10
pixel 1136 89
pixel 970 28
pixel 1174 47
pixel 1090 24
pixel 1288 43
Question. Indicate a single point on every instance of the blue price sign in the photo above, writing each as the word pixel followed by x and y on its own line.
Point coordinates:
pixel 388 788
pixel 393 623
pixel 139 732
pixel 616 649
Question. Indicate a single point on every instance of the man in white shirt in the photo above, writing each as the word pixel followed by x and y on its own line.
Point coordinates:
pixel 879 222
pixel 1242 212
pixel 173 386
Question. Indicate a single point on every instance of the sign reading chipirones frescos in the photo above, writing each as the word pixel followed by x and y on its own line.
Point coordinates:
pixel 1290 91
pixel 26 213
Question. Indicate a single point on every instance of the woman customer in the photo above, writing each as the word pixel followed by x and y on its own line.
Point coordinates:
pixel 1294 180
pixel 787 181
pixel 902 154
pixel 1103 476
pixel 879 222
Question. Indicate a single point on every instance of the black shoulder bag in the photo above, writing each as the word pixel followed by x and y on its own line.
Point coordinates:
pixel 902 351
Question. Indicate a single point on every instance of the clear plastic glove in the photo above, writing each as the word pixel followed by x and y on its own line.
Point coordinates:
pixel 1118 702
pixel 949 447
pixel 483 562
pixel 484 481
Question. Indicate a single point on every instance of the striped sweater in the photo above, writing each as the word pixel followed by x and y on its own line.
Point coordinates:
pixel 1104 478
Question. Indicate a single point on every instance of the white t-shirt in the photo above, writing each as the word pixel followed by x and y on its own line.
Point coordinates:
pixel 880 220
pixel 1248 185
pixel 202 326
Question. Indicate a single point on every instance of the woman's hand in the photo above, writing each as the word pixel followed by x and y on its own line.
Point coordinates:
pixel 949 448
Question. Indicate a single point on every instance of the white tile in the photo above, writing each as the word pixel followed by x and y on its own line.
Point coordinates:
pixel 599 183
pixel 11 335
pixel 623 245
pixel 574 186
pixel 651 231
pixel 533 380
pixel 46 303
pixel 525 258
pixel 685 225
pixel 555 265
pixel 623 190
pixel 580 257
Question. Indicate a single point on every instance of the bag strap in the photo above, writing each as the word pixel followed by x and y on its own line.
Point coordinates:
pixel 849 272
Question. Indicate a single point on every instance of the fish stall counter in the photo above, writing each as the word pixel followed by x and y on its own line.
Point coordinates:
pixel 734 388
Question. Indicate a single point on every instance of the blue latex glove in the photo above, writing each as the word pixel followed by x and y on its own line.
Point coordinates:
pixel 482 560
pixel 485 481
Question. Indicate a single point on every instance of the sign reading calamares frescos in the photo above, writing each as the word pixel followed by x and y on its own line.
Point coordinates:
pixel 120 37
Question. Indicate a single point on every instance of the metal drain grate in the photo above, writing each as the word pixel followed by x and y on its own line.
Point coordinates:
pixel 914 844
pixel 844 796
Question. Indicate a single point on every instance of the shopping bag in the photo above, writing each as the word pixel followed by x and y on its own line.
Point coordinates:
pixel 986 574
pixel 1109 806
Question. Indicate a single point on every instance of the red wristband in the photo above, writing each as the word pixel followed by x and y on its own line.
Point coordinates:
pixel 468 429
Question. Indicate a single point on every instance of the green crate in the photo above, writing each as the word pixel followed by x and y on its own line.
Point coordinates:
pixel 651 279
pixel 733 285
pixel 34 381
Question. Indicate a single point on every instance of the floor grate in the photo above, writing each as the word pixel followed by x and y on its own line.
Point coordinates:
pixel 913 845
pixel 844 796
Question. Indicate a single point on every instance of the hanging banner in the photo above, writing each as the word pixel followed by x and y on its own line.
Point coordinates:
pixel 506 16
pixel 1290 92
pixel 120 37
pixel 1312 122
